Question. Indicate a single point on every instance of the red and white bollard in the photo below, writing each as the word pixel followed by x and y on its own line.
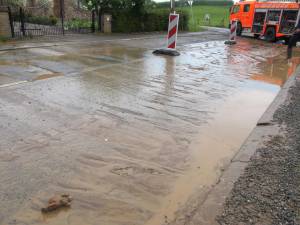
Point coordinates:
pixel 172 31
pixel 172 37
pixel 232 34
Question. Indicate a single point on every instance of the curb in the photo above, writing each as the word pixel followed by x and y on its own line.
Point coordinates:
pixel 61 42
pixel 213 204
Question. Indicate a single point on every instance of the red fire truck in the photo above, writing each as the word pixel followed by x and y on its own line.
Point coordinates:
pixel 271 20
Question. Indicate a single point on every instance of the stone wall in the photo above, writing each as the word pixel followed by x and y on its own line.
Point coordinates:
pixel 4 24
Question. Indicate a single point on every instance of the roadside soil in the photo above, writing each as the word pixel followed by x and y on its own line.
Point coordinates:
pixel 268 193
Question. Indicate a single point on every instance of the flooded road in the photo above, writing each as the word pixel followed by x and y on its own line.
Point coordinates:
pixel 134 138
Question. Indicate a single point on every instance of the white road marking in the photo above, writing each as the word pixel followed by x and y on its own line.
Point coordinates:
pixel 13 84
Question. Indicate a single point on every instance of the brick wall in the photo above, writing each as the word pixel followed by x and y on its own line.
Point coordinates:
pixel 4 25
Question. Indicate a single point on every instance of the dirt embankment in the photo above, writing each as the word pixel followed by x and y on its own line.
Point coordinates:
pixel 268 193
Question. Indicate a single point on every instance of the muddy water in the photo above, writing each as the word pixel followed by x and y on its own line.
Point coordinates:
pixel 134 138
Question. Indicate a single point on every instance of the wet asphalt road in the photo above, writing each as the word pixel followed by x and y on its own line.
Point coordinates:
pixel 131 136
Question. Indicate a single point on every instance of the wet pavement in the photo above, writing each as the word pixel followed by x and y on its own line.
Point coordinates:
pixel 133 137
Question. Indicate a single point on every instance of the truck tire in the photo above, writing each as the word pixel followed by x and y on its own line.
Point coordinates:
pixel 239 29
pixel 270 34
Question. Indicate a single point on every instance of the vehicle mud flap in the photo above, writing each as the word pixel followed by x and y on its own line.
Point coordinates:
pixel 289 53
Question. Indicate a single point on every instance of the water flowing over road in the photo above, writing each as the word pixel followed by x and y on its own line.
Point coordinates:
pixel 134 138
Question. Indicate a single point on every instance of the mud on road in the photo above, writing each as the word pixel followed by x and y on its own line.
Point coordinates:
pixel 134 138
pixel 268 191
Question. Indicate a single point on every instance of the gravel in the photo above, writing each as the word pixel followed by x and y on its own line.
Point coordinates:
pixel 268 193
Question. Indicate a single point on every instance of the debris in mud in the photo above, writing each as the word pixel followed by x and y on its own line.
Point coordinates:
pixel 230 42
pixel 56 202
pixel 264 124
pixel 166 219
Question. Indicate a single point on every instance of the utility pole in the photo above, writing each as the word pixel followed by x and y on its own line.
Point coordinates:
pixel 190 2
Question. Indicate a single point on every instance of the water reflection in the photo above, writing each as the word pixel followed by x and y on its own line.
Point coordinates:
pixel 276 70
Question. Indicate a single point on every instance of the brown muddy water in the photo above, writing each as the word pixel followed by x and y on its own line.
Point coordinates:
pixel 134 138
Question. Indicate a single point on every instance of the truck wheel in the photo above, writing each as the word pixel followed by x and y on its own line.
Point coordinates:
pixel 270 34
pixel 239 29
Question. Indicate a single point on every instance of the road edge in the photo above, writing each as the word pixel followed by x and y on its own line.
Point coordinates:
pixel 214 202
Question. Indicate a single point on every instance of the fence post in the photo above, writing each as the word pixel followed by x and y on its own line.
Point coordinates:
pixel 11 22
pixel 93 21
pixel 22 21
pixel 99 19
pixel 62 5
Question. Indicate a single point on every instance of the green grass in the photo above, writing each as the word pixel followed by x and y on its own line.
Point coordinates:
pixel 219 16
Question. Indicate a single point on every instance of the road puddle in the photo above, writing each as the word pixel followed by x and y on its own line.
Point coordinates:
pixel 136 138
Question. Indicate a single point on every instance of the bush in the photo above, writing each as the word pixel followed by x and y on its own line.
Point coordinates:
pixel 151 21
pixel 42 20
pixel 166 4
pixel 78 23
pixel 3 39
pixel 214 3
pixel 53 20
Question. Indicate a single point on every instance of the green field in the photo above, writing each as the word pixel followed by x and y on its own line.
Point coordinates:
pixel 219 16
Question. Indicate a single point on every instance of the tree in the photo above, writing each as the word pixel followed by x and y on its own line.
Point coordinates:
pixel 149 4
pixel 56 8
pixel 135 8
pixel 138 7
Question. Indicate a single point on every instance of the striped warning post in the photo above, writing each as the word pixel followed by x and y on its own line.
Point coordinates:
pixel 172 37
pixel 232 34
pixel 172 30
pixel 233 31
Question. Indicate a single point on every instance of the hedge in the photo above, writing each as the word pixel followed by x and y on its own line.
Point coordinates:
pixel 157 20
pixel 42 20
pixel 76 23
pixel 213 3
pixel 166 4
